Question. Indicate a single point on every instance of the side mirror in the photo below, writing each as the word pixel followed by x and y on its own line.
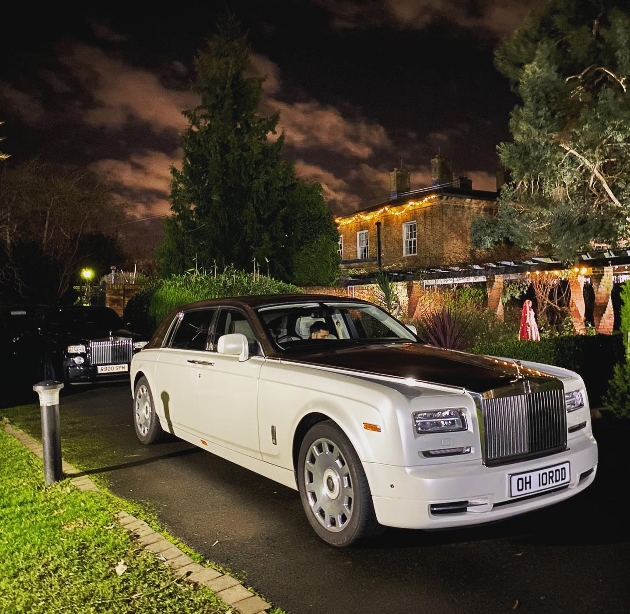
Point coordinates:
pixel 412 328
pixel 234 344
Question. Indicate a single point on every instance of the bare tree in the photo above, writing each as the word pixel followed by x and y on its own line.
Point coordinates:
pixel 53 209
pixel 552 294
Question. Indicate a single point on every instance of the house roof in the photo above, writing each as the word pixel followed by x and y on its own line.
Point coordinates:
pixel 445 189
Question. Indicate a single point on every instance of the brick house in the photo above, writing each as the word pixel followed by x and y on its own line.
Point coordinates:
pixel 415 229
pixel 427 232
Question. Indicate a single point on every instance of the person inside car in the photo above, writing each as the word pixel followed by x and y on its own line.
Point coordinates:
pixel 319 330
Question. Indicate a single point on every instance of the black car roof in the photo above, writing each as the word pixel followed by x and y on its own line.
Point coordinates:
pixel 264 300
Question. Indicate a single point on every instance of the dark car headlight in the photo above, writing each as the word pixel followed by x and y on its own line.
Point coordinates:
pixel 138 345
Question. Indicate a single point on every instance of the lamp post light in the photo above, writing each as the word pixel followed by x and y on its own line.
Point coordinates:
pixel 87 275
pixel 48 392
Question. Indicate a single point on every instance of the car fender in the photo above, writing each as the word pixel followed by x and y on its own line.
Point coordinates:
pixel 374 415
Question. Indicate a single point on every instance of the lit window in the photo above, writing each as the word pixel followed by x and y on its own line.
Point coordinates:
pixel 362 245
pixel 340 247
pixel 410 239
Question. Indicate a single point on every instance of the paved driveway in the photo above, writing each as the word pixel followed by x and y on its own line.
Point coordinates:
pixel 573 558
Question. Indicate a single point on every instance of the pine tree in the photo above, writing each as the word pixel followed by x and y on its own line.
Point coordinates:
pixel 229 198
pixel 235 201
pixel 569 160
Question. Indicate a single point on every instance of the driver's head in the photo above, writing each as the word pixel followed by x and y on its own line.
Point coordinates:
pixel 319 330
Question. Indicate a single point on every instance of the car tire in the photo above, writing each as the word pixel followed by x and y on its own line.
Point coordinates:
pixel 333 487
pixel 145 420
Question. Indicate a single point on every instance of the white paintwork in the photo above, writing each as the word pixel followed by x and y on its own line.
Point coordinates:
pixel 230 406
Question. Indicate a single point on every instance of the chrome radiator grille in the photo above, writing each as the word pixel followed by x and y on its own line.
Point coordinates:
pixel 524 426
pixel 112 352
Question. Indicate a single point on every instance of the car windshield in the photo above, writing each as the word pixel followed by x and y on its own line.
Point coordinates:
pixel 87 319
pixel 301 324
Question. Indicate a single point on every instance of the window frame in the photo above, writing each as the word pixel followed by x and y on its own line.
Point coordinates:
pixel 177 321
pixel 410 243
pixel 360 254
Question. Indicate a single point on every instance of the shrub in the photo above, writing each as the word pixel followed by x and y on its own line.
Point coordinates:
pixel 624 313
pixel 136 312
pixel 617 397
pixel 592 356
pixel 446 328
pixel 148 307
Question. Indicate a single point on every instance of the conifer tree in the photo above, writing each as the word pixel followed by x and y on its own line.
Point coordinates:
pixel 569 158
pixel 233 200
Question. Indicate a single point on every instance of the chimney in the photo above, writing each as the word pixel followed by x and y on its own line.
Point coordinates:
pixel 441 170
pixel 399 181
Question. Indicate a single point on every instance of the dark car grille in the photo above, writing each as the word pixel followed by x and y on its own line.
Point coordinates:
pixel 112 352
pixel 524 426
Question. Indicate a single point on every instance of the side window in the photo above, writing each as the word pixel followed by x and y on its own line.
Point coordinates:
pixel 192 332
pixel 234 321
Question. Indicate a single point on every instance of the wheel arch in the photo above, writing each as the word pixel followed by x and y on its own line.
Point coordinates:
pixel 304 426
pixel 136 378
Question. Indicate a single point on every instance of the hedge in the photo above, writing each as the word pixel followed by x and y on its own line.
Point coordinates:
pixel 592 356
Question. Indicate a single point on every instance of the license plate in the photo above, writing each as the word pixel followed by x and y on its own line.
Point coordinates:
pixel 111 368
pixel 539 480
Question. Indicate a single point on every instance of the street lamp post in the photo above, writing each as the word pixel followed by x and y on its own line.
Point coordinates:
pixel 87 275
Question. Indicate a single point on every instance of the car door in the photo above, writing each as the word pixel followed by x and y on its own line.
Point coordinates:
pixel 176 372
pixel 228 390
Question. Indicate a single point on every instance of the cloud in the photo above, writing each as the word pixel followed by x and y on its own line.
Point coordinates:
pixel 309 125
pixel 143 180
pixel 337 192
pixel 482 180
pixel 28 108
pixel 122 92
pixel 264 67
pixel 497 16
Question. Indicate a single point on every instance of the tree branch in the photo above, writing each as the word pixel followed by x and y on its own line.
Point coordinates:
pixel 593 168
pixel 610 73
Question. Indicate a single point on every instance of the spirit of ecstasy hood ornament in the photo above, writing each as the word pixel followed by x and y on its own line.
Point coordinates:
pixel 518 365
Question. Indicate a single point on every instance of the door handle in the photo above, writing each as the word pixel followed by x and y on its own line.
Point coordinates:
pixel 202 362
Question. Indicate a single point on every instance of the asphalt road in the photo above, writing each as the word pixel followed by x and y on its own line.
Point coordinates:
pixel 572 558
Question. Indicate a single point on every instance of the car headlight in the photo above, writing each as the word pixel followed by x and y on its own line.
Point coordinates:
pixel 138 345
pixel 439 421
pixel 76 349
pixel 574 400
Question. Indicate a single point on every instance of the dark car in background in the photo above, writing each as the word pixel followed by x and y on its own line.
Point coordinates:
pixel 81 345
pixel 18 329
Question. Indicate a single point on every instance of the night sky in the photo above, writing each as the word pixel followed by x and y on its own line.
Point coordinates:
pixel 359 87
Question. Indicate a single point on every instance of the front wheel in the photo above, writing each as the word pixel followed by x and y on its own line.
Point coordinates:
pixel 333 487
pixel 145 420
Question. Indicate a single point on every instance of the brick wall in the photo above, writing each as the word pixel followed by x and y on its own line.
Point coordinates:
pixel 117 296
pixel 443 232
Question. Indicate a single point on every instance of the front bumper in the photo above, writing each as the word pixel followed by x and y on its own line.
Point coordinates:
pixel 88 374
pixel 477 494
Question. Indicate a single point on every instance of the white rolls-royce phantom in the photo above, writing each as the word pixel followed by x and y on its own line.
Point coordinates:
pixel 335 398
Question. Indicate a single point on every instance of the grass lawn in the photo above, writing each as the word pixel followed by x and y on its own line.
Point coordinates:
pixel 60 549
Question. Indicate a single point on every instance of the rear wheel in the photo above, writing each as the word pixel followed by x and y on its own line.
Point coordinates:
pixel 333 487
pixel 145 420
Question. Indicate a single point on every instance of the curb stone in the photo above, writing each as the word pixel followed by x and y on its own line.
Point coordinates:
pixel 226 587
